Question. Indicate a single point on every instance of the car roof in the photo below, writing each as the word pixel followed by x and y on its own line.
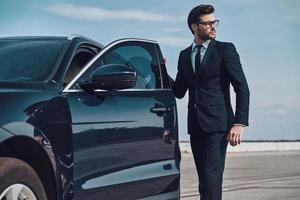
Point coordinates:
pixel 34 38
pixel 70 38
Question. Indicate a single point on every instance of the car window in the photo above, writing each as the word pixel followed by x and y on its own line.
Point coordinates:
pixel 166 79
pixel 28 59
pixel 81 57
pixel 139 56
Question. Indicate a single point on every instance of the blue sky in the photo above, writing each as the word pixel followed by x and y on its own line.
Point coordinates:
pixel 265 33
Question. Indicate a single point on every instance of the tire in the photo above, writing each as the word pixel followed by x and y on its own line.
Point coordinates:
pixel 18 178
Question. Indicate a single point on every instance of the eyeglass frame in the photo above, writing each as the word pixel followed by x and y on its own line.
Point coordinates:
pixel 209 23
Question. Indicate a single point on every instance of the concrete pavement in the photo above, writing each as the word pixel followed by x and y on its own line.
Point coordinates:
pixel 250 176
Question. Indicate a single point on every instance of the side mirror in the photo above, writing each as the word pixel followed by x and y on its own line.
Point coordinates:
pixel 109 77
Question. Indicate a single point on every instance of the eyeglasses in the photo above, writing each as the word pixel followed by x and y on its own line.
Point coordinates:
pixel 209 23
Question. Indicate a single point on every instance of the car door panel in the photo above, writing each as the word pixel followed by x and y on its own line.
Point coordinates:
pixel 118 147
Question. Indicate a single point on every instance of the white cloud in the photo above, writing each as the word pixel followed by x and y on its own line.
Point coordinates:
pixel 280 111
pixel 174 41
pixel 93 13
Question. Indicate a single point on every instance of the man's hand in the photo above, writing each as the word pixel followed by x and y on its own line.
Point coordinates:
pixel 167 137
pixel 235 135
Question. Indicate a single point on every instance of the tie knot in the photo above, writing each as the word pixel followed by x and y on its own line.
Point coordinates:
pixel 199 47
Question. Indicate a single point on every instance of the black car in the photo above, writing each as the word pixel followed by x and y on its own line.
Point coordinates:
pixel 80 120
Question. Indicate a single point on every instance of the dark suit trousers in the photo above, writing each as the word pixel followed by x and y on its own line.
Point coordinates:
pixel 209 151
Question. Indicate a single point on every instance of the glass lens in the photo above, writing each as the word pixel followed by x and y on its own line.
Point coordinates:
pixel 216 23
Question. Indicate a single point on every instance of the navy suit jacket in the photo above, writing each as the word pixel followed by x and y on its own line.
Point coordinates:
pixel 209 93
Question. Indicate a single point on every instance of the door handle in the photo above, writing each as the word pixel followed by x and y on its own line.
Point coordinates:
pixel 159 109
pixel 168 166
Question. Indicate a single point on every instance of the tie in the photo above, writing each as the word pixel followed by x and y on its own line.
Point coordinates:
pixel 198 58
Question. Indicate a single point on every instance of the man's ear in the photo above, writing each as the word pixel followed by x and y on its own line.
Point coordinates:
pixel 194 27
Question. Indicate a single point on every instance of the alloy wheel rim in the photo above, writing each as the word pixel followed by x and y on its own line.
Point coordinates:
pixel 17 192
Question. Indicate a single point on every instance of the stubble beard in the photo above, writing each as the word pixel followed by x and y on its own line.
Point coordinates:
pixel 205 37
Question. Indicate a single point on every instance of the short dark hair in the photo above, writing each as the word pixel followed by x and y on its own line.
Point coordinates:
pixel 197 12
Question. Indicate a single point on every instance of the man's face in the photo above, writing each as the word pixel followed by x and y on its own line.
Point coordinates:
pixel 205 30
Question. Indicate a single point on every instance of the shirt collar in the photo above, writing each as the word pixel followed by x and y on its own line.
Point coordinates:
pixel 204 44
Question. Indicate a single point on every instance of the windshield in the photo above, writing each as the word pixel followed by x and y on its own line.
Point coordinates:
pixel 28 59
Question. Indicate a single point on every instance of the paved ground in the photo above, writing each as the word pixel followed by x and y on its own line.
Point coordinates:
pixel 250 176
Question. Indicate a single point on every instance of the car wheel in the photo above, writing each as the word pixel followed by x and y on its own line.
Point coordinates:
pixel 19 181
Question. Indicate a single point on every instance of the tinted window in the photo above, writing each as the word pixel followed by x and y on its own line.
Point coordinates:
pixel 139 56
pixel 28 60
pixel 166 79
pixel 81 58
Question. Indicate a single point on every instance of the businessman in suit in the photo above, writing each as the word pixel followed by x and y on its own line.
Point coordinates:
pixel 206 69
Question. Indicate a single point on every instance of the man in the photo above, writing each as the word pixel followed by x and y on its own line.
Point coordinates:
pixel 206 69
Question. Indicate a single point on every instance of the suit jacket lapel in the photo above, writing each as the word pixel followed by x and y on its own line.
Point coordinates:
pixel 208 53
